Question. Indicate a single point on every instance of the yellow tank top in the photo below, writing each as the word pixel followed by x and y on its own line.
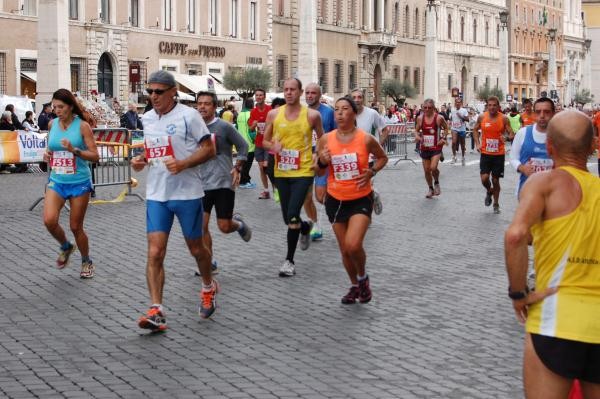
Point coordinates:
pixel 567 256
pixel 295 158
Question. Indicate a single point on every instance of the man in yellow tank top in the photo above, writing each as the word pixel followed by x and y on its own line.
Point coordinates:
pixel 289 135
pixel 561 209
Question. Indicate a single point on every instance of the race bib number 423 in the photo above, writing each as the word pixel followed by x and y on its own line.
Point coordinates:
pixel 288 160
pixel 492 145
pixel 345 166
pixel 158 149
pixel 63 163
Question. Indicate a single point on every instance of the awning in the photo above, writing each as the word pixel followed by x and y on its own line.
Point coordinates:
pixel 30 76
pixel 184 96
pixel 196 83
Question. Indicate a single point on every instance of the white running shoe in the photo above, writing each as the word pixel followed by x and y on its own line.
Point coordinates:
pixel 287 269
pixel 463 162
pixel 305 238
pixel 453 160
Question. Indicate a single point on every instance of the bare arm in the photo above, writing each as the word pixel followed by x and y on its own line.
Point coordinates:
pixel 91 153
pixel 418 133
pixel 206 150
pixel 476 130
pixel 268 142
pixel 314 118
pixel 373 147
pixel 508 128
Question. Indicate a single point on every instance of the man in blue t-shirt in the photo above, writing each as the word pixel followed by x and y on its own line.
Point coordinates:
pixel 312 94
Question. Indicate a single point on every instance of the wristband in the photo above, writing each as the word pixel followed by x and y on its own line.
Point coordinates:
pixel 321 165
pixel 518 295
pixel 77 152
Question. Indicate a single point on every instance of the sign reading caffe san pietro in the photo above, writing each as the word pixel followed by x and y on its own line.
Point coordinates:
pixel 183 49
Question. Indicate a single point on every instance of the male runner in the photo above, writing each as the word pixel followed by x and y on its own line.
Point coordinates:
pixel 219 177
pixel 258 117
pixel 177 142
pixel 561 209
pixel 429 126
pixel 527 116
pixel 528 153
pixel 371 122
pixel 289 135
pixel 494 127
pixel 459 117
pixel 312 94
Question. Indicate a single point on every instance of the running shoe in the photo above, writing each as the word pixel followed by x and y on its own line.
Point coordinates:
pixel 496 208
pixel 208 300
pixel 245 232
pixel 453 160
pixel 213 269
pixel 488 199
pixel 153 320
pixel 351 296
pixel 377 204
pixel 63 257
pixel 436 189
pixel 276 196
pixel 287 269
pixel 305 238
pixel 364 291
pixel 264 195
pixel 87 269
pixel 316 233
pixel 463 162
pixel 430 193
pixel 248 185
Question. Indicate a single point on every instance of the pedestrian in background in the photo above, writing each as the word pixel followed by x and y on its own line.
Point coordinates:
pixel 14 117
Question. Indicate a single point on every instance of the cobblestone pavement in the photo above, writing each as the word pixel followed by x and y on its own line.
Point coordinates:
pixel 439 326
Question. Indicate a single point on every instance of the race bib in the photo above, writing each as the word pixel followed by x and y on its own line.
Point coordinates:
pixel 261 127
pixel 492 145
pixel 457 124
pixel 428 141
pixel 63 163
pixel 314 138
pixel 345 166
pixel 288 160
pixel 541 164
pixel 158 149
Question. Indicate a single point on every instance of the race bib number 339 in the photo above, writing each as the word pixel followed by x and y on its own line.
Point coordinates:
pixel 158 149
pixel 63 163
pixel 345 166
pixel 288 160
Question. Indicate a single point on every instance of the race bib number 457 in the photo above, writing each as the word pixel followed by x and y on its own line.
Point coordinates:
pixel 63 163
pixel 288 160
pixel 345 166
pixel 158 149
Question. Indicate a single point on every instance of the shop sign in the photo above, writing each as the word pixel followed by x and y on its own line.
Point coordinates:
pixel 183 49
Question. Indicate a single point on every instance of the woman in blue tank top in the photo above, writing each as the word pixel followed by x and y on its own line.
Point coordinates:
pixel 71 147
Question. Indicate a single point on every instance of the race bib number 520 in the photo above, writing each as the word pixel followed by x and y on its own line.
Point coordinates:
pixel 288 160
pixel 345 166
pixel 158 149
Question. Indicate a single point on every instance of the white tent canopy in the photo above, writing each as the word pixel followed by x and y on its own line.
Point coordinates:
pixel 196 83
pixel 184 96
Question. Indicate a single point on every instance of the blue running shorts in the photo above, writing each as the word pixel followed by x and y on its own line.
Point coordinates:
pixel 70 190
pixel 159 216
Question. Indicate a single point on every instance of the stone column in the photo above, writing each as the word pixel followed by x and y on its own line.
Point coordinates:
pixel 586 81
pixel 381 15
pixel 431 64
pixel 504 60
pixel 552 66
pixel 54 63
pixel 307 42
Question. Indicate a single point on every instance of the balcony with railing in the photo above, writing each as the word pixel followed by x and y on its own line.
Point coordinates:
pixel 378 39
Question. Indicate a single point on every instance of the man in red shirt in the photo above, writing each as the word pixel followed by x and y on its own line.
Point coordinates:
pixel 258 117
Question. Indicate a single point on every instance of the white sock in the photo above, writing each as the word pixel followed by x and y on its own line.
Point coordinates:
pixel 157 305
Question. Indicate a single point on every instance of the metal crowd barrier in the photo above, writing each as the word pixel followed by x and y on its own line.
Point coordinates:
pixel 396 143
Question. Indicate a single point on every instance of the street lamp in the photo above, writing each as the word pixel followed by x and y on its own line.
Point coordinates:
pixel 552 34
pixel 503 18
pixel 587 43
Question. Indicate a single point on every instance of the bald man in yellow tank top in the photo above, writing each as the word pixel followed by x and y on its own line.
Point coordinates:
pixel 561 209
pixel 289 135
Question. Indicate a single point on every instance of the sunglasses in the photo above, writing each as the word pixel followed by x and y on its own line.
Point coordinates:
pixel 159 92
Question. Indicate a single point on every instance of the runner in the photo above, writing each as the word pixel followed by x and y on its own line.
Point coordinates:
pixel 494 126
pixel 527 116
pixel 289 135
pixel 561 208
pixel 345 152
pixel 177 142
pixel 459 117
pixel 258 116
pixel 429 128
pixel 249 136
pixel 528 153
pixel 371 122
pixel 219 177
pixel 71 146
pixel 312 94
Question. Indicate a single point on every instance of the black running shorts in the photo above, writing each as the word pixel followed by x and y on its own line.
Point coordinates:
pixel 341 211
pixel 493 164
pixel 223 199
pixel 569 359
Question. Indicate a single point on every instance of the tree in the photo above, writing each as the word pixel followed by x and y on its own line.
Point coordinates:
pixel 245 81
pixel 398 91
pixel 583 97
pixel 486 92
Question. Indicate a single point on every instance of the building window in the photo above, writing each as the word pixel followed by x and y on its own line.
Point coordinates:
pixel 338 72
pixel 253 20
pixel 396 18
pixel 141 77
pixel 474 29
pixel 487 81
pixel 406 21
pixel 279 9
pixel 417 80
pixel 281 72
pixel 406 77
pixel 417 30
pixel 339 11
pixel 2 73
pixel 233 23
pixel 352 76
pixel 487 33
pixel 105 11
pixel 79 82
pixel 322 11
pixel 168 14
pixel 462 28
pixel 191 16
pixel 449 82
pixel 135 13
pixel 449 27
pixel 74 9
pixel 498 35
pixel 475 83
pixel 214 17
pixel 30 7
pixel 396 73
pixel 323 75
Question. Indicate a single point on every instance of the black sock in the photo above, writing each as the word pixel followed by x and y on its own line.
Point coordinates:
pixel 292 242
pixel 304 227
pixel 437 182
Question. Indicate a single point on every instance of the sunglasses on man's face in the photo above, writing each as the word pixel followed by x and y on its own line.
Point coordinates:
pixel 159 92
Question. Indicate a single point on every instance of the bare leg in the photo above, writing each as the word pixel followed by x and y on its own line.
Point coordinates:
pixel 541 383
pixel 155 272
pixel 78 209
pixel 202 255
pixel 53 203
pixel 496 189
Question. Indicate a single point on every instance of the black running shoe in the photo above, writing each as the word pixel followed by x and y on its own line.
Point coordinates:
pixel 351 296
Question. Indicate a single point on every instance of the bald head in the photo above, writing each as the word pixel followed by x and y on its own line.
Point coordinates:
pixel 571 133
pixel 312 94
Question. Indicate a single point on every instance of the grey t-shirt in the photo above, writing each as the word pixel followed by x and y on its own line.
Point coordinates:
pixel 216 173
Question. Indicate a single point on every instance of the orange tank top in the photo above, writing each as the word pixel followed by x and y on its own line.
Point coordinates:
pixel 348 161
pixel 528 119
pixel 491 134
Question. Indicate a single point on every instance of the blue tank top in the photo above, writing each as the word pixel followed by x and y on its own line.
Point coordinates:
pixel 534 152
pixel 60 172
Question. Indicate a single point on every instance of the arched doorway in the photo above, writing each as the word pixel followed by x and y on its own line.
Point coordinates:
pixel 105 75
pixel 463 83
pixel 377 82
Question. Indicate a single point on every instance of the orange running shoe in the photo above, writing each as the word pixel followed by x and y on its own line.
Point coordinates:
pixel 153 320
pixel 208 300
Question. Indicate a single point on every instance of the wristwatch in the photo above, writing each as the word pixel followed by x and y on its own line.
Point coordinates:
pixel 518 295
pixel 77 151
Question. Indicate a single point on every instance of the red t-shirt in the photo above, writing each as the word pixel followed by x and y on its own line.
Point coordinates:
pixel 259 116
